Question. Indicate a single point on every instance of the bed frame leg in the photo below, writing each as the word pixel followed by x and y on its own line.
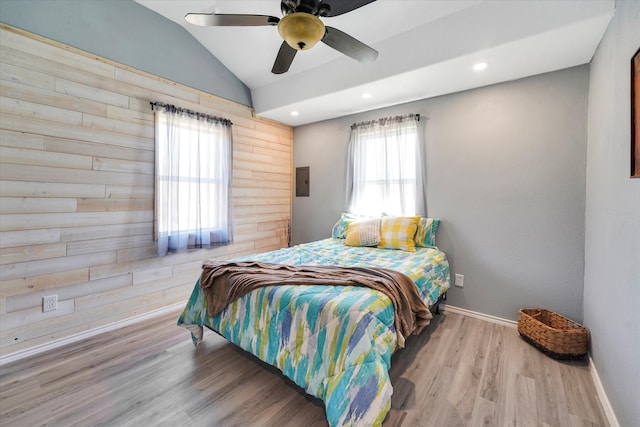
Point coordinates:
pixel 437 304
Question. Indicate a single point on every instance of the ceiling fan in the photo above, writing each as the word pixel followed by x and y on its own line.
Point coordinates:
pixel 300 27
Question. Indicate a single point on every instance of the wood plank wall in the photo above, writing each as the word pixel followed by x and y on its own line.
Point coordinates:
pixel 76 190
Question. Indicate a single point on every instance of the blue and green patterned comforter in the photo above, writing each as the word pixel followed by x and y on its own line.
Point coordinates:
pixel 333 341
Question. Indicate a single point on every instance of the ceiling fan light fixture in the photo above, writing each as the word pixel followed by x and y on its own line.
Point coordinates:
pixel 301 30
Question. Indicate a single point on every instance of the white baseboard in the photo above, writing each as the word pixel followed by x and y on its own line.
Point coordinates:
pixel 604 400
pixel 32 351
pixel 481 316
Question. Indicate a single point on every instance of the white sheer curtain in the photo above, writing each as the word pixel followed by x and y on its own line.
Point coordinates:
pixel 193 180
pixel 385 167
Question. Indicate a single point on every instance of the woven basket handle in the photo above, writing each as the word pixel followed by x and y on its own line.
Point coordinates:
pixel 536 314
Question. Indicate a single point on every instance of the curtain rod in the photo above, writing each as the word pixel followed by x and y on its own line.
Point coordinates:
pixel 169 108
pixel 384 120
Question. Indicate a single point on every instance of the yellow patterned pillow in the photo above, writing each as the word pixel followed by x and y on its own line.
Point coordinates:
pixel 398 233
pixel 363 233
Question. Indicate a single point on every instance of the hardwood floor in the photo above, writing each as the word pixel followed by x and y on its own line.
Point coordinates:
pixel 460 371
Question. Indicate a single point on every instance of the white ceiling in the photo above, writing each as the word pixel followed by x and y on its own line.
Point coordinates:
pixel 426 48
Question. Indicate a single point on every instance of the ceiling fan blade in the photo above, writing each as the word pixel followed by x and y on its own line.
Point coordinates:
pixel 222 20
pixel 338 7
pixel 353 48
pixel 284 59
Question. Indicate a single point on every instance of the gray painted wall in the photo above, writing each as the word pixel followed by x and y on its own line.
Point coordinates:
pixel 126 32
pixel 506 175
pixel 612 238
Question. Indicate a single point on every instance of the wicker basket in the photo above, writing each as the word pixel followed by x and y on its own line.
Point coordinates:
pixel 553 334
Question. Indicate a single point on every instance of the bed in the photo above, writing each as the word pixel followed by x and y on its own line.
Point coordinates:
pixel 335 342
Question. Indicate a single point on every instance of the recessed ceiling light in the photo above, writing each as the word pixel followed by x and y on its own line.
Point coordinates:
pixel 294 113
pixel 480 66
pixel 366 95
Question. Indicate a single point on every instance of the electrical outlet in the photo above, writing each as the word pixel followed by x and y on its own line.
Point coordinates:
pixel 459 280
pixel 49 303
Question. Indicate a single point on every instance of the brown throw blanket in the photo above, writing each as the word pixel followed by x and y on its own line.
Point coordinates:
pixel 226 281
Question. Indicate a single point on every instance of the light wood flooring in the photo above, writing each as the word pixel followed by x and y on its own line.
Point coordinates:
pixel 460 371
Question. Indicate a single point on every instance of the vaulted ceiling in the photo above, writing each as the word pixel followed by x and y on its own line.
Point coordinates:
pixel 426 48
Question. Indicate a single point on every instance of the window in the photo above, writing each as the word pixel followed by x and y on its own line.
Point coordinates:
pixel 193 180
pixel 385 167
